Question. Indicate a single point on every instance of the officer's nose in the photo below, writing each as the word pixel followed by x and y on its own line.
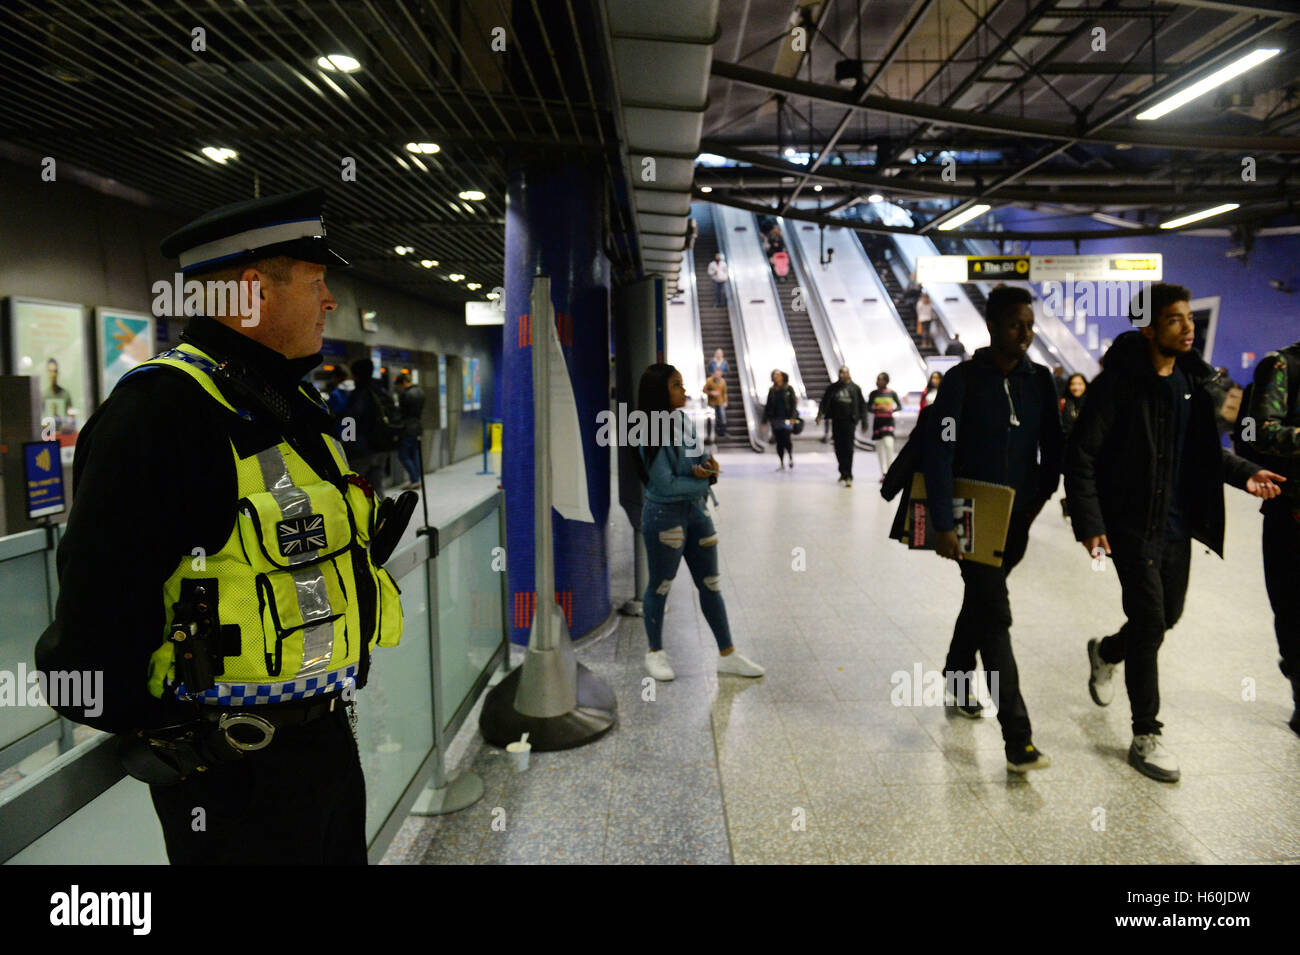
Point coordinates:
pixel 328 302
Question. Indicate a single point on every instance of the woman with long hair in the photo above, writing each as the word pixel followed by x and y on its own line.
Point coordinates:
pixel 932 388
pixel 1075 389
pixel 778 413
pixel 674 522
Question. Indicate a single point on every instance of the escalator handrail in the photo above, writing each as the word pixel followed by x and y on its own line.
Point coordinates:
pixel 889 300
pixel 816 315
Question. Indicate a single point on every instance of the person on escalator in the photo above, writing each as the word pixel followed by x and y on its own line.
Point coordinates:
pixel 715 390
pixel 844 408
pixel 718 272
pixel 675 521
pixel 779 413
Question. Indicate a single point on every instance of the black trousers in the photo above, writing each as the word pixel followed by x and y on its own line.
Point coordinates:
pixel 1282 578
pixel 1154 589
pixel 783 446
pixel 843 436
pixel 984 625
pixel 299 801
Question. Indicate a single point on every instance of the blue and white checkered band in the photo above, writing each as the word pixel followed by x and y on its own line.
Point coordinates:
pixel 255 694
pixel 251 240
pixel 301 535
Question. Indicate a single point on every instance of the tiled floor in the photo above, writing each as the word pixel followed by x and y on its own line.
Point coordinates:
pixel 814 763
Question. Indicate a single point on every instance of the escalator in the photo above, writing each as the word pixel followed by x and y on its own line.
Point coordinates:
pixel 715 333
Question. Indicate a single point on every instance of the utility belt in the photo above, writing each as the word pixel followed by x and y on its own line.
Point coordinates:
pixel 220 735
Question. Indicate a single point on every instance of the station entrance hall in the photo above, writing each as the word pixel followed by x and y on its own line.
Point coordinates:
pixel 702 432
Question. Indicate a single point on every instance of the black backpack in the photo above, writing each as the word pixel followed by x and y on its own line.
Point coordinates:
pixel 387 433
pixel 1240 446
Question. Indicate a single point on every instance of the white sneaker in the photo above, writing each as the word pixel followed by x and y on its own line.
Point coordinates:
pixel 1100 686
pixel 1150 758
pixel 739 665
pixel 656 664
pixel 848 482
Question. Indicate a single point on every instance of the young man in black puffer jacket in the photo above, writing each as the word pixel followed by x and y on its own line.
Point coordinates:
pixel 1144 475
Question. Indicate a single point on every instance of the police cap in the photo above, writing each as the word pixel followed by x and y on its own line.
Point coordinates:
pixel 291 225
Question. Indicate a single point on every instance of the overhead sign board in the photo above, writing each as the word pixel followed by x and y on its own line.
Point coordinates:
pixel 1105 267
pixel 484 313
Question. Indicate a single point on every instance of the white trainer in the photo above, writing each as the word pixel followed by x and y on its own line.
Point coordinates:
pixel 656 664
pixel 1100 685
pixel 738 664
pixel 1150 758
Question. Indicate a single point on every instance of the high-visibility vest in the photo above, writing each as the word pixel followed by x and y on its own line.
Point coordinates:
pixel 297 594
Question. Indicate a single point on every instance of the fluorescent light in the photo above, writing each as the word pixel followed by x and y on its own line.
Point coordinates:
pixel 974 212
pixel 473 286
pixel 1198 216
pixel 455 276
pixel 402 249
pixel 473 194
pixel 339 61
pixel 706 188
pixel 219 154
pixel 1218 78
pixel 427 148
pixel 429 263
pixel 875 197
pixel 789 151
pixel 817 188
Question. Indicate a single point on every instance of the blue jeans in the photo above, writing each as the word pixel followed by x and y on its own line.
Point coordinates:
pixel 719 293
pixel 674 531
pixel 407 452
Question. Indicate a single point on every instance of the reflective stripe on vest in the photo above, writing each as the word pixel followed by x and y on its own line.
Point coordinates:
pixel 287 577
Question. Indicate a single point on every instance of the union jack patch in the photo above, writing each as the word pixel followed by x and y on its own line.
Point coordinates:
pixel 299 535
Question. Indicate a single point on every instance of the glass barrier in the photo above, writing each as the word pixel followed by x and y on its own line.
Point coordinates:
pixel 469 613
pixel 25 599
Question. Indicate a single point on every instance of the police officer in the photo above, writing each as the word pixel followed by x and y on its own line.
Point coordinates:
pixel 221 563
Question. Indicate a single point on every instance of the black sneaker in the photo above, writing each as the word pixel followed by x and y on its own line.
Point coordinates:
pixel 968 706
pixel 1021 759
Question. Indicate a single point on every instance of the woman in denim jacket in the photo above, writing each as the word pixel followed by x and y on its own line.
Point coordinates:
pixel 677 474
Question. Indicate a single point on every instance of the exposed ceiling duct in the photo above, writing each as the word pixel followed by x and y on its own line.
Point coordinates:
pixel 662 53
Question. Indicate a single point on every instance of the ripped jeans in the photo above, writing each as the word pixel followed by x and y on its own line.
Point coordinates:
pixel 673 531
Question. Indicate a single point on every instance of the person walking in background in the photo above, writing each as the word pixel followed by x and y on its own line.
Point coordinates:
pixel 882 403
pixel 1071 405
pixel 364 415
pixel 718 272
pixel 341 392
pixel 719 364
pixel 955 347
pixel 778 412
pixel 1275 409
pixel 676 524
pixel 931 389
pixel 1008 431
pixel 715 390
pixel 410 400
pixel 844 408
pixel 1144 473
pixel 1058 380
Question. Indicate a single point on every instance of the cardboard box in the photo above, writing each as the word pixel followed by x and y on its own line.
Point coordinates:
pixel 981 515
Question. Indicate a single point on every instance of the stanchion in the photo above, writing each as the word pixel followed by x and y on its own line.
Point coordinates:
pixel 551 696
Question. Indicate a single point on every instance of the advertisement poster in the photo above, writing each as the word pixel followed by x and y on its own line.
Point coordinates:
pixel 44 475
pixel 48 342
pixel 467 383
pixel 442 392
pixel 478 390
pixel 125 340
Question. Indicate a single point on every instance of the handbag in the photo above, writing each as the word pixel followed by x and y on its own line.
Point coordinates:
pixel 796 426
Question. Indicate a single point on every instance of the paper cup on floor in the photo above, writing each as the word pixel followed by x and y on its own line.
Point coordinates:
pixel 519 752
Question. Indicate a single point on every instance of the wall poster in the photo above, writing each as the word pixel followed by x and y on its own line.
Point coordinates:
pixel 125 340
pixel 48 341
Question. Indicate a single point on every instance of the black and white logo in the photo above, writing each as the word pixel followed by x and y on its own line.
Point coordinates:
pixel 301 535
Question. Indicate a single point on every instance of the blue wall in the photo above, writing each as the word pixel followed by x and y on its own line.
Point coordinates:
pixel 1252 316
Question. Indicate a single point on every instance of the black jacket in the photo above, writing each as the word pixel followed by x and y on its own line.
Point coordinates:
pixel 780 404
pixel 411 401
pixel 1118 470
pixel 154 478
pixel 978 399
pixel 853 410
